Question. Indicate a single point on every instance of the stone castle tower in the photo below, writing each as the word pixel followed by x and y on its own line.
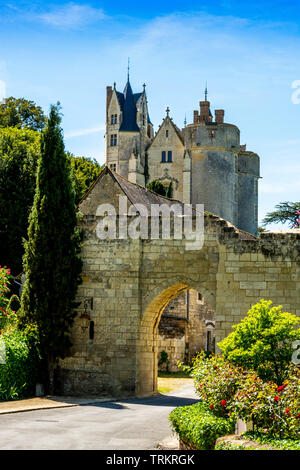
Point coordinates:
pixel 205 160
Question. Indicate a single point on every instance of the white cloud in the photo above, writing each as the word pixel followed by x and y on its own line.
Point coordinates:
pixel 2 90
pixel 72 15
pixel 80 132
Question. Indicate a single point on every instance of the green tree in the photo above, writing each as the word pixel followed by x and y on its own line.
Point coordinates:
pixel 286 212
pixel 262 341
pixel 52 262
pixel 21 113
pixel 19 153
pixel 84 172
pixel 157 187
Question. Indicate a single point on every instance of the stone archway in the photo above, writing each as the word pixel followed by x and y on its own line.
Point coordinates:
pixel 132 280
pixel 146 372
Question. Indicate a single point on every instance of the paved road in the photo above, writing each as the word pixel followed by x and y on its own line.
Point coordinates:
pixel 131 424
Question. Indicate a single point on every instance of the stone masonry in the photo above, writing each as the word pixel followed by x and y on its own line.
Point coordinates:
pixel 132 281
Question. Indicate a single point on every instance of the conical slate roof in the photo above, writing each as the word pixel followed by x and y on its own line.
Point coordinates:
pixel 129 111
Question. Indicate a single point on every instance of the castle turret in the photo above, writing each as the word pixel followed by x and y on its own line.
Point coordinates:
pixel 128 127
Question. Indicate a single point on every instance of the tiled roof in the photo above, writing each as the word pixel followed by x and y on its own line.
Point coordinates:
pixel 139 195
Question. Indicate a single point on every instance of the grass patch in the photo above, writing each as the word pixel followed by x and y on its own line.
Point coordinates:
pixel 180 374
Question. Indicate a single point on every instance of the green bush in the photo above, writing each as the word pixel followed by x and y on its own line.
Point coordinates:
pixel 284 444
pixel 197 425
pixel 18 373
pixel 263 341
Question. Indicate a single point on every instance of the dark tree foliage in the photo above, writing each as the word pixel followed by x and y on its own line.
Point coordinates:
pixel 157 187
pixel 84 172
pixel 19 153
pixel 21 113
pixel 286 212
pixel 52 262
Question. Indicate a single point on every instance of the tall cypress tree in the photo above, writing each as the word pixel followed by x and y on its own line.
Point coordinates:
pixel 52 262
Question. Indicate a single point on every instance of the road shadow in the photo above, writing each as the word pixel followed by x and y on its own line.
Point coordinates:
pixel 157 400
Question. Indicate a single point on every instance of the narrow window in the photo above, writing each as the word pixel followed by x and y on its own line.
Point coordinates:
pixel 92 330
pixel 167 134
pixel 113 140
pixel 199 296
pixel 169 156
pixel 163 156
pixel 113 166
pixel 114 119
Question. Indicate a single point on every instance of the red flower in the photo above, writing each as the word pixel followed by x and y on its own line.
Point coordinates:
pixel 223 402
pixel 276 398
pixel 287 411
pixel 298 416
pixel 212 406
pixel 215 367
pixel 280 388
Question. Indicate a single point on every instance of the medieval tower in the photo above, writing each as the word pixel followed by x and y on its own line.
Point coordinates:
pixel 204 161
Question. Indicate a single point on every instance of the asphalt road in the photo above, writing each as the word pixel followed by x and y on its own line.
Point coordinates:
pixel 130 424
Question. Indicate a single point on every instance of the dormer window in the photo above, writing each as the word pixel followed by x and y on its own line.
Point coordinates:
pixel 114 119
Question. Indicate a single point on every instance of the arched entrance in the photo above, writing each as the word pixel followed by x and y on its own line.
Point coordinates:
pixel 147 341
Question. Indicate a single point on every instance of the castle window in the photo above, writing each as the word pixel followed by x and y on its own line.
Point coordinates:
pixel 114 119
pixel 170 156
pixel 113 140
pixel 113 167
pixel 167 134
pixel 163 156
pixel 200 298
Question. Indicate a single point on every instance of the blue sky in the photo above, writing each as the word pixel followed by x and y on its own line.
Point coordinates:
pixel 248 53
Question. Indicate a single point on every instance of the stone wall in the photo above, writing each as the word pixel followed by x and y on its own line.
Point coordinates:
pixel 167 172
pixel 132 281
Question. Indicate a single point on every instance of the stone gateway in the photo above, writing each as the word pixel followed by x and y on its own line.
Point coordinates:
pixel 130 282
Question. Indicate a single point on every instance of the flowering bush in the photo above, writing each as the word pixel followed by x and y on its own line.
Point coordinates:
pixel 6 313
pixel 237 393
pixel 216 381
pixel 274 410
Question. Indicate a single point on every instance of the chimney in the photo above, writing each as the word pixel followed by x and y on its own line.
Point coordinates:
pixel 196 117
pixel 204 111
pixel 219 114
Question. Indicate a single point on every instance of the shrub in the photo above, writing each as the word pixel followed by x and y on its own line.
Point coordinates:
pixel 237 393
pixel 216 381
pixel 6 313
pixel 284 444
pixel 18 373
pixel 273 409
pixel 199 426
pixel 262 341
